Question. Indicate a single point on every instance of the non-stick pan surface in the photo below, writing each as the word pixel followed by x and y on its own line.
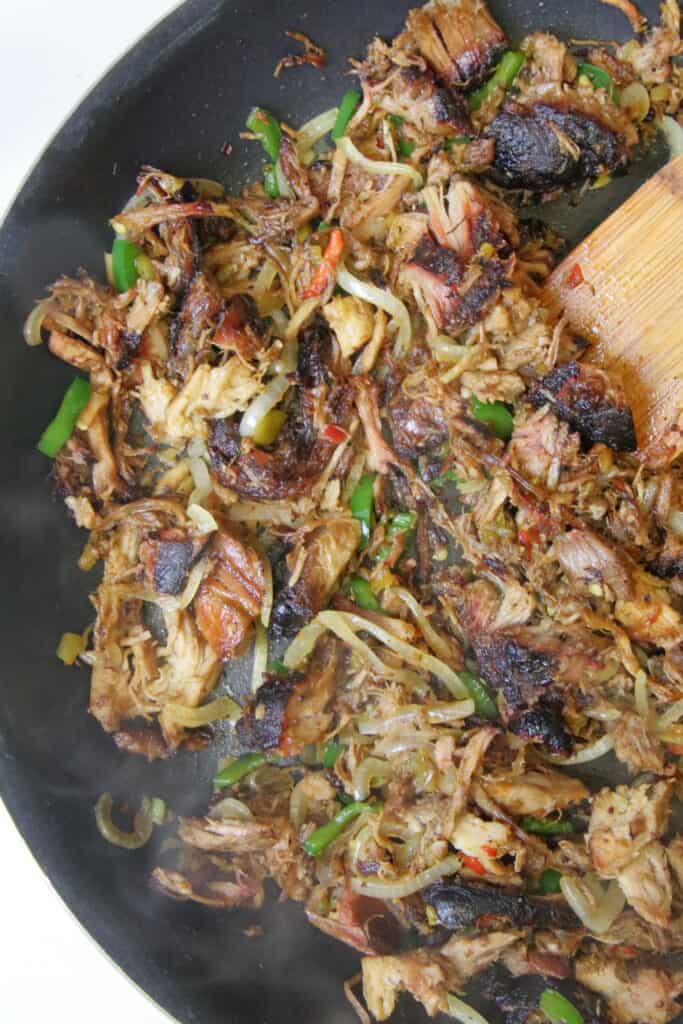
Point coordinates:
pixel 173 101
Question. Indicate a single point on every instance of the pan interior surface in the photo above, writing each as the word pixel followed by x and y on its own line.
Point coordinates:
pixel 174 101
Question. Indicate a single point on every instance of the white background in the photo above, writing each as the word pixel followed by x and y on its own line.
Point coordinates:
pixel 50 55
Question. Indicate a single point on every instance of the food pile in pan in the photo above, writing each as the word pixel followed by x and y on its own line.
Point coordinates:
pixel 330 428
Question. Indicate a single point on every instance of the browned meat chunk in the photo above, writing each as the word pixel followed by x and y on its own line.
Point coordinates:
pixel 168 558
pixel 424 973
pixel 623 821
pixel 635 993
pixel 458 38
pixel 636 746
pixel 328 552
pixel 291 711
pixel 587 559
pixel 546 147
pixel 646 884
pixel 230 597
pixel 418 98
pixel 240 329
pixel 229 835
pixel 417 425
pixel 460 905
pixel 585 398
pixel 361 922
pixel 240 891
pixel 201 305
pixel 456 296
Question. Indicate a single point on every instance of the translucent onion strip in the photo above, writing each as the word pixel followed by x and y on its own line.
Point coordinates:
pixel 383 299
pixel 437 643
pixel 261 406
pixel 444 349
pixel 673 132
pixel 217 710
pixel 230 807
pixel 314 130
pixel 434 713
pixel 34 322
pixel 463 1012
pixel 377 167
pixel 267 605
pixel 260 657
pixel 640 694
pixel 202 518
pixel 596 908
pixel 143 823
pixel 396 889
pixel 369 773
pixel 591 752
pixel 671 715
pixel 412 655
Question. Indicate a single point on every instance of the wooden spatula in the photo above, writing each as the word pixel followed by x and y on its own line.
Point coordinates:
pixel 622 290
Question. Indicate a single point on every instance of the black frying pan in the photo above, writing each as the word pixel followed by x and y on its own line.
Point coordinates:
pixel 172 101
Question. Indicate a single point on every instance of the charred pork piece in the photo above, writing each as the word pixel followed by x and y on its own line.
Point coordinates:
pixel 417 97
pixel 518 998
pixel 362 922
pixel 293 710
pixel 168 559
pixel 525 675
pixel 328 552
pixel 437 271
pixel 667 566
pixel 417 425
pixel 546 147
pixel 543 724
pixel 521 672
pixel 459 905
pixel 230 597
pixel 286 472
pixel 458 38
pixel 585 398
pixel 240 330
pixel 201 305
pixel 457 296
pixel 316 354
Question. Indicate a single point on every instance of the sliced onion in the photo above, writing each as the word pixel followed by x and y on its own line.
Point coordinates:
pixel 463 1012
pixel 436 642
pixel 267 604
pixel 260 657
pixel 670 716
pixel 283 186
pixel 436 713
pixel 143 824
pixel 635 100
pixel 261 406
pixel 202 518
pixel 591 752
pixel 397 889
pixel 230 807
pixel 383 299
pixel 410 654
pixel 315 129
pixel 596 908
pixel 34 322
pixel 217 710
pixel 202 481
pixel 378 167
pixel 445 349
pixel 676 521
pixel 369 773
pixel 207 188
pixel 302 644
pixel 640 694
pixel 673 133
pixel 303 313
